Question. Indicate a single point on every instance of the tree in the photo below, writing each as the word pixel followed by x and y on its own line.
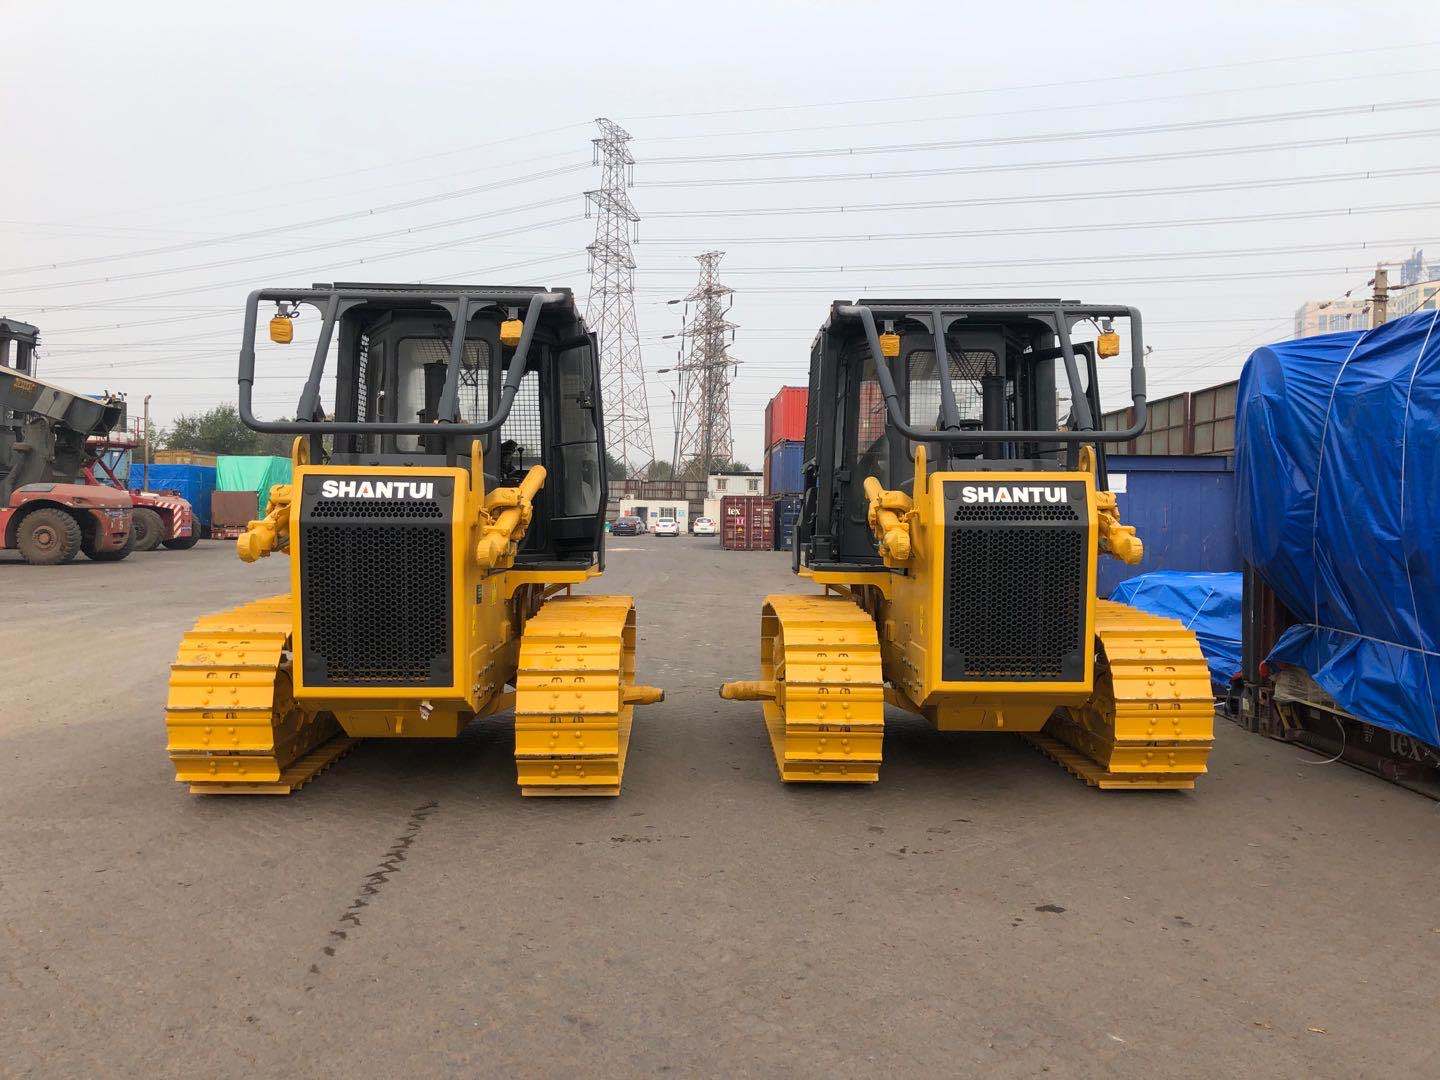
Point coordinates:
pixel 221 431
pixel 694 469
pixel 614 467
pixel 660 470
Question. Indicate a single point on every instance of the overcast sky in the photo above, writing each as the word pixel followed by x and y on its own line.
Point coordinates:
pixel 137 126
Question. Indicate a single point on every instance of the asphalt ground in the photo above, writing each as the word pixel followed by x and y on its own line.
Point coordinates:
pixel 976 912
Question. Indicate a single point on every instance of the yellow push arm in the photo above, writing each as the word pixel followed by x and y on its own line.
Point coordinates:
pixel 1119 540
pixel 890 514
pixel 270 533
pixel 504 519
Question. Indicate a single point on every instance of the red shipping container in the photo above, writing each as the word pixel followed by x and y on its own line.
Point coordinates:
pixel 747 523
pixel 785 416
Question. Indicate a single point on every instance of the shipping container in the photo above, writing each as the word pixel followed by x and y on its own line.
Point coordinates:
pixel 194 483
pixel 1201 422
pixel 233 508
pixel 183 457
pixel 787 515
pixel 784 468
pixel 747 523
pixel 1183 510
pixel 785 416
pixel 1167 427
pixel 1212 419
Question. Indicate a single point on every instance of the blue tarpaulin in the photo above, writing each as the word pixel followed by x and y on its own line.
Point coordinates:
pixel 194 483
pixel 1208 604
pixel 1337 468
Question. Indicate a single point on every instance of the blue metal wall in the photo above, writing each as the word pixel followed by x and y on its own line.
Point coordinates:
pixel 1182 507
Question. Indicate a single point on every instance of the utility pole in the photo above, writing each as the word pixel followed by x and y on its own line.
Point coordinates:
pixel 610 311
pixel 704 428
pixel 145 463
pixel 1380 302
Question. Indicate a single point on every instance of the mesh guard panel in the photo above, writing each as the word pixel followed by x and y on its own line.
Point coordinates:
pixel 1016 583
pixel 375 587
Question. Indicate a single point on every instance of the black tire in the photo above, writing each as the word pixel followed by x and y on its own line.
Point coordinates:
pixel 48 537
pixel 182 543
pixel 114 555
pixel 146 529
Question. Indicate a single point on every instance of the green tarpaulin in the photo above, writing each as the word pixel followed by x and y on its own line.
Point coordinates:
pixel 251 473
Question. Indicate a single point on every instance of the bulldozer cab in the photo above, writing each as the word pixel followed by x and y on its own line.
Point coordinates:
pixel 981 384
pixel 418 373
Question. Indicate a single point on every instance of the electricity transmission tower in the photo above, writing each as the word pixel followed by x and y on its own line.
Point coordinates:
pixel 610 311
pixel 704 427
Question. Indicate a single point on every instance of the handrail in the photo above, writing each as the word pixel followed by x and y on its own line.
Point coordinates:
pixel 336 300
pixel 900 422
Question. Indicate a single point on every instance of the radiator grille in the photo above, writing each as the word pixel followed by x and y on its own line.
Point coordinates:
pixel 1015 589
pixel 375 581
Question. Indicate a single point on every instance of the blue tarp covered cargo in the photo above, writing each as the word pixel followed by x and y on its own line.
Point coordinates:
pixel 1208 604
pixel 193 483
pixel 1337 467
pixel 252 472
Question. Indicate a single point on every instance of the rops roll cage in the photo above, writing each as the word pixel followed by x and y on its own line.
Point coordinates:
pixel 950 431
pixel 336 301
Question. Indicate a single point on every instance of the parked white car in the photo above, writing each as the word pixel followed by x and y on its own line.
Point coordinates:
pixel 667 527
pixel 705 527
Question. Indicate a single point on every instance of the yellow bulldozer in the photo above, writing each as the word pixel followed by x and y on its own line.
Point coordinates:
pixel 954 518
pixel 442 508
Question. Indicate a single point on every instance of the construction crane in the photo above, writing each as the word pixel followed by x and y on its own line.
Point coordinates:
pixel 954 520
pixel 440 513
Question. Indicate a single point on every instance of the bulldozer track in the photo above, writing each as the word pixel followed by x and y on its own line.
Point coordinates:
pixel 827 718
pixel 572 722
pixel 1150 723
pixel 232 724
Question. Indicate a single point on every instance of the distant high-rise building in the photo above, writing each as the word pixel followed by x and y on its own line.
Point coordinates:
pixel 1417 290
pixel 1331 317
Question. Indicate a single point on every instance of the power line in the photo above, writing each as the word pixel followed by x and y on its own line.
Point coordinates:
pixel 1082 260
pixel 1066 84
pixel 1006 230
pixel 1033 166
pixel 273 230
pixel 1328 112
pixel 989 285
pixel 329 244
pixel 1078 196
pixel 395 164
pixel 1064 106
pixel 317 268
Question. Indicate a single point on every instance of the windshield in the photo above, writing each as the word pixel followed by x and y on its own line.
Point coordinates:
pixel 420 376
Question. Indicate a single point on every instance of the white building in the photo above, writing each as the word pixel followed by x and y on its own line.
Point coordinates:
pixel 720 484
pixel 652 511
